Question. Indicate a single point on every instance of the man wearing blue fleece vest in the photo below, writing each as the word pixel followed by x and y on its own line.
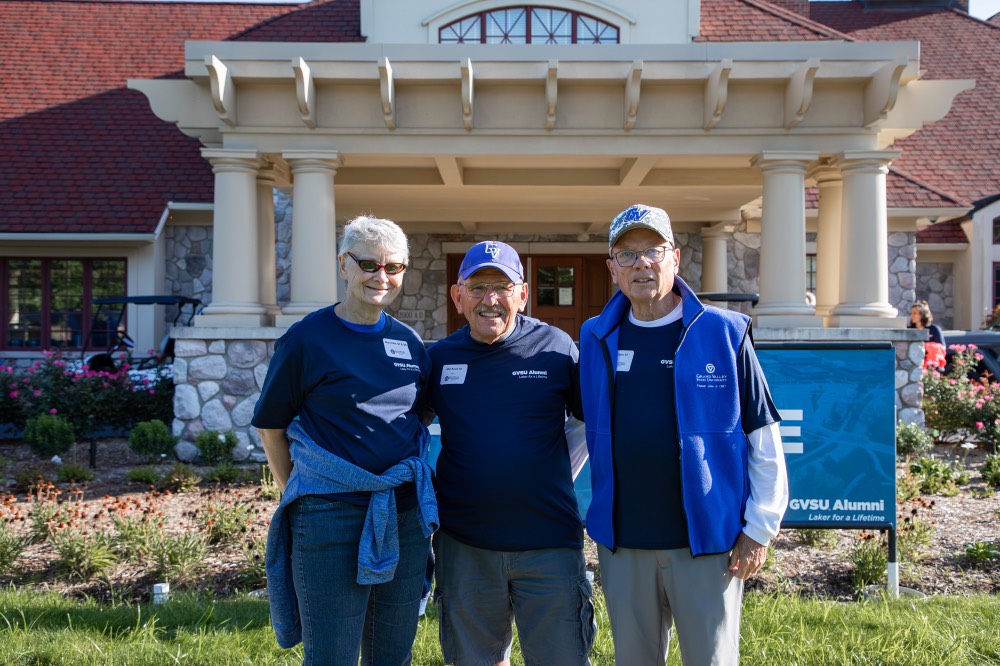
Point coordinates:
pixel 688 475
pixel 511 540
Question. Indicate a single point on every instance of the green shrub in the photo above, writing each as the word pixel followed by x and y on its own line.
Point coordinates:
pixel 227 472
pixel 980 551
pixel 28 478
pixel 816 537
pixel 223 521
pixel 870 557
pixel 49 435
pixel 137 535
pixel 216 447
pixel 152 440
pixel 991 470
pixel 73 473
pixel 178 557
pixel 911 438
pixel 938 477
pixel 84 554
pixel 907 486
pixel 146 474
pixel 180 478
pixel 11 547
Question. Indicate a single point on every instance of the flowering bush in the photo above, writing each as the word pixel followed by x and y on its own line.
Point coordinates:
pixel 89 400
pixel 958 407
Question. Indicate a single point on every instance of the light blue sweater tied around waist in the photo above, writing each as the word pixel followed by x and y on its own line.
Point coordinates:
pixel 316 471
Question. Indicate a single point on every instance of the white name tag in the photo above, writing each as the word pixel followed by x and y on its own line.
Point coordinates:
pixel 625 360
pixel 454 374
pixel 397 349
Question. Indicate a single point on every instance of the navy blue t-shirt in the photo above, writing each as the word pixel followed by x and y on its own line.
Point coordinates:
pixel 503 477
pixel 649 509
pixel 357 392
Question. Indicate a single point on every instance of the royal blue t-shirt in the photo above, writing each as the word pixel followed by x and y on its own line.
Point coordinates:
pixel 649 509
pixel 357 391
pixel 503 476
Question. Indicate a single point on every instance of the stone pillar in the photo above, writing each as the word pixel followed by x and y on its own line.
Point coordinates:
pixel 783 242
pixel 235 283
pixel 266 181
pixel 864 249
pixel 715 257
pixel 831 190
pixel 314 234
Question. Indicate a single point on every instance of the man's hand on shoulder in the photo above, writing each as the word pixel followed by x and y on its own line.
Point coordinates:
pixel 747 557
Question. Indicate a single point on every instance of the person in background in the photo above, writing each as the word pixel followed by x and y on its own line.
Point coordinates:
pixel 511 539
pixel 935 349
pixel 338 416
pixel 688 475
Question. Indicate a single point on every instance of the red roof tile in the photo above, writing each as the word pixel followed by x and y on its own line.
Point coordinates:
pixel 960 153
pixel 942 232
pixel 82 153
pixel 755 21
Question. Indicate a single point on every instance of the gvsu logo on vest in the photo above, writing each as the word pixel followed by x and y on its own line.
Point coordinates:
pixel 710 379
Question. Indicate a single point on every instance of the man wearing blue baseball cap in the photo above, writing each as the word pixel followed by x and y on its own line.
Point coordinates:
pixel 687 470
pixel 510 545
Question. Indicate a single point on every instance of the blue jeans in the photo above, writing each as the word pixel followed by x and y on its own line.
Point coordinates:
pixel 340 618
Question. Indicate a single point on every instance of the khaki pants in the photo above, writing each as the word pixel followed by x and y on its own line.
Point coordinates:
pixel 648 590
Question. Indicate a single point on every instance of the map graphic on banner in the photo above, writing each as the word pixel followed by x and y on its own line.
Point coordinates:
pixel 838 429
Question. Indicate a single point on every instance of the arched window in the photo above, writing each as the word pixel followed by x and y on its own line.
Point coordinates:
pixel 528 25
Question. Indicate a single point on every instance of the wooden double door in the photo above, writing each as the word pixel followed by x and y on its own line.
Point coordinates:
pixel 565 289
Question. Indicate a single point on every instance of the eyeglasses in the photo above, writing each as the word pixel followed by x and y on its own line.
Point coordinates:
pixel 653 255
pixel 480 289
pixel 372 266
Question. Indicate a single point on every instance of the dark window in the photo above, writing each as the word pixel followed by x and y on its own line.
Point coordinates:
pixel 996 230
pixel 46 303
pixel 996 284
pixel 528 25
pixel 811 273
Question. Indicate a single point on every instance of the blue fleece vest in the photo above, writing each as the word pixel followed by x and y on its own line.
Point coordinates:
pixel 714 449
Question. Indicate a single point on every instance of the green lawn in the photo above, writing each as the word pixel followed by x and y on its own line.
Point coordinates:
pixel 49 629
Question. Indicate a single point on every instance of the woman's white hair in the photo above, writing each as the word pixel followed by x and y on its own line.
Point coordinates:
pixel 385 234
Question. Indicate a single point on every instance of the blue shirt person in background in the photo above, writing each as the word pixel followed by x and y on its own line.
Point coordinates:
pixel 511 539
pixel 688 475
pixel 338 416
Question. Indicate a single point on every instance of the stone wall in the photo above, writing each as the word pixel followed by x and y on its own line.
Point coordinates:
pixel 902 270
pixel 936 284
pixel 909 388
pixel 189 265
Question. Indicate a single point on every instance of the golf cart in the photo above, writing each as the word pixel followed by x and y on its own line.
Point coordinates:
pixel 107 330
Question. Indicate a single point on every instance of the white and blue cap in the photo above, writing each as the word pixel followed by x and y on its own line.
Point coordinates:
pixel 492 254
pixel 640 216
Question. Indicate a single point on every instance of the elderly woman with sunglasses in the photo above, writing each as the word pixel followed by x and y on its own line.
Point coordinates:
pixel 338 418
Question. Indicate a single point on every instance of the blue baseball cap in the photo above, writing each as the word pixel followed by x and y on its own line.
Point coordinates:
pixel 492 254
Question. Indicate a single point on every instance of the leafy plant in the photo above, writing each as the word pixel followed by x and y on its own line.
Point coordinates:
pixel 980 551
pixel 254 552
pixel 146 474
pixel 137 534
pixel 82 553
pixel 180 478
pixel 73 473
pixel 907 486
pixel 224 521
pixel 268 486
pixel 817 537
pixel 179 557
pixel 49 435
pixel 915 536
pixel 991 470
pixel 870 557
pixel 216 447
pixel 227 472
pixel 28 478
pixel 911 438
pixel 152 440
pixel 12 545
pixel 937 476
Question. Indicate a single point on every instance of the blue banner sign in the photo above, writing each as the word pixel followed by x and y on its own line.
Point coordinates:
pixel 837 405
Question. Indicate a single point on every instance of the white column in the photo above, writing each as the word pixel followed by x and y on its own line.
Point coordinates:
pixel 235 284
pixel 266 182
pixel 831 191
pixel 715 257
pixel 783 242
pixel 864 248
pixel 314 234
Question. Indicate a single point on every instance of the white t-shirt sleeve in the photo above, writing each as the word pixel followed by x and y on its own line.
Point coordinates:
pixel 768 484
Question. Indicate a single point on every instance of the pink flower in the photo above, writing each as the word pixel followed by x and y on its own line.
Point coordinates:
pixel 37 393
pixel 14 394
pixel 53 411
pixel 980 425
